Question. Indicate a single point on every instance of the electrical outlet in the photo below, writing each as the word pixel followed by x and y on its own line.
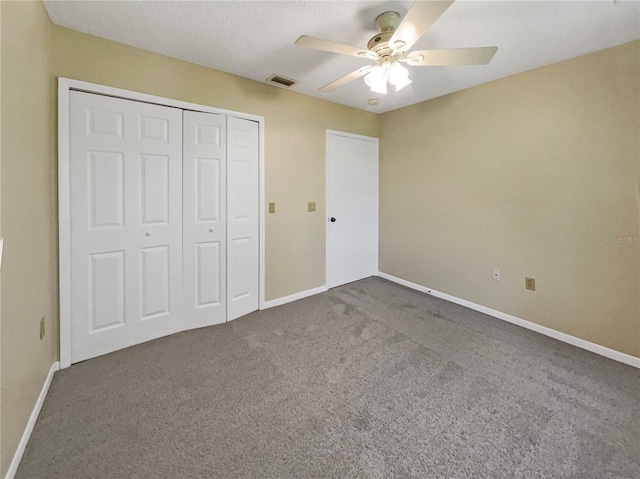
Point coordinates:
pixel 272 207
pixel 530 283
pixel 497 274
pixel 42 327
pixel 311 207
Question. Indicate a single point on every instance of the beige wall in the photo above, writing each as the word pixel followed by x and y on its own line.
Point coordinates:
pixel 294 140
pixel 29 225
pixel 527 174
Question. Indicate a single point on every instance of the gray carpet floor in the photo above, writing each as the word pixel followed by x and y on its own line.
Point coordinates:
pixel 368 380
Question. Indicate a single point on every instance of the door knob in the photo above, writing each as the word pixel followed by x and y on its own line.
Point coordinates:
pixel 148 233
pixel 333 220
pixel 211 230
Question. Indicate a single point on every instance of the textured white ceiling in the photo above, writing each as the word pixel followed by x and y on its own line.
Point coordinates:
pixel 255 39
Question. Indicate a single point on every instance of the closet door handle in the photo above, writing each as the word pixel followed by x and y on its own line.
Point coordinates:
pixel 148 233
pixel 333 220
pixel 211 230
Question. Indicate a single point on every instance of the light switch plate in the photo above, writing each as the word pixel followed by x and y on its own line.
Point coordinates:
pixel 311 206
pixel 1 248
pixel 530 283
pixel 272 207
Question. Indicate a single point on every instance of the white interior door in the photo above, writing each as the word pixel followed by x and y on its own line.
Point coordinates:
pixel 126 223
pixel 352 208
pixel 242 217
pixel 205 221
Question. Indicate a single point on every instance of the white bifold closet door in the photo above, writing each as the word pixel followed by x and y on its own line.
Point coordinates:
pixel 126 223
pixel 164 221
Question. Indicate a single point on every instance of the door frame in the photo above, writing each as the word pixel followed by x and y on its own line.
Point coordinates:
pixel 327 194
pixel 65 86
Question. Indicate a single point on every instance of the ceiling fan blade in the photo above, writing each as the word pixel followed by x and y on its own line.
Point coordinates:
pixel 326 45
pixel 453 56
pixel 417 21
pixel 346 79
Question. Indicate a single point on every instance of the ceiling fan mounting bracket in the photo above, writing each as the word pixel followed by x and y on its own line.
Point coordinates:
pixel 388 21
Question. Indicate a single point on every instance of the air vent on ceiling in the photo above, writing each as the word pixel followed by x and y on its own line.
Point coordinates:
pixel 281 80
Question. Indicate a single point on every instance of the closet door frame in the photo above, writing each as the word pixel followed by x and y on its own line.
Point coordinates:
pixel 65 86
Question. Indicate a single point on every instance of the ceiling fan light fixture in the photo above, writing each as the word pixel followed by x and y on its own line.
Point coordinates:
pixel 398 74
pixel 403 83
pixel 375 75
pixel 376 79
pixel 380 87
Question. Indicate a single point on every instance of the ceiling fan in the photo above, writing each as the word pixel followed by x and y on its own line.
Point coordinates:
pixel 390 48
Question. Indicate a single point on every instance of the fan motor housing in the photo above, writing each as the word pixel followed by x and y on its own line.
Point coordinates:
pixel 380 42
pixel 387 23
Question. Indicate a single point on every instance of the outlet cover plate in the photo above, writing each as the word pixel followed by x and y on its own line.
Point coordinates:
pixel 497 274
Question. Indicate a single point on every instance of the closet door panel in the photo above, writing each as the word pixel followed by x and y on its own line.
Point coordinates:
pixel 243 220
pixel 126 223
pixel 205 193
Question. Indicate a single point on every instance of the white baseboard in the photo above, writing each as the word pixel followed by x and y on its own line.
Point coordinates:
pixel 294 297
pixel 552 333
pixel 17 457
